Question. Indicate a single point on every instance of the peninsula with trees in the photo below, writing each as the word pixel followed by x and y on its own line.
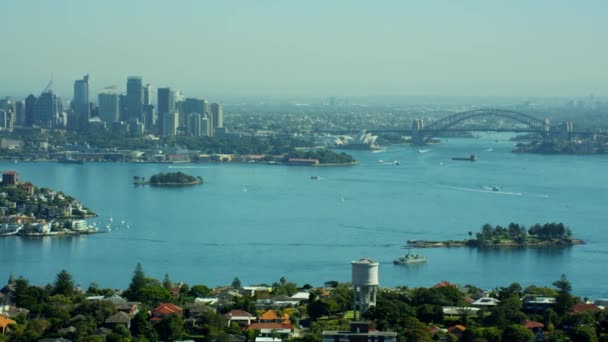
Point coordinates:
pixel 28 210
pixel 169 179
pixel 512 236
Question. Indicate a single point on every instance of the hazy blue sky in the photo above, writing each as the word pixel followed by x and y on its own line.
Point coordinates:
pixel 518 47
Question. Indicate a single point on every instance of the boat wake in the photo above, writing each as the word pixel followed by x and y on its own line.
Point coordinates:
pixel 187 167
pixel 378 151
pixel 490 191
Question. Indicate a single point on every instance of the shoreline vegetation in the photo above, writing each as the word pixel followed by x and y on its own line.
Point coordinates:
pixel 511 236
pixel 169 179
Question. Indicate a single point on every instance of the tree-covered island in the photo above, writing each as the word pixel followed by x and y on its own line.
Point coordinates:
pixel 169 179
pixel 513 235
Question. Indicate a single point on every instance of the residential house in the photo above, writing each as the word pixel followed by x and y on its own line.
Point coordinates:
pixel 457 330
pixel 4 323
pixel 537 305
pixel 360 331
pixel 165 310
pixel 270 316
pixel 485 302
pixel 272 329
pixel 581 308
pixel 242 318
pixel 119 318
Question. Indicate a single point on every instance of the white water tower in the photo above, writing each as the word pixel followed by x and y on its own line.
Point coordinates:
pixel 365 285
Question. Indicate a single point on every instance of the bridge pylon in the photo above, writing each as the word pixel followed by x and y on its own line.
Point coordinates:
pixel 418 132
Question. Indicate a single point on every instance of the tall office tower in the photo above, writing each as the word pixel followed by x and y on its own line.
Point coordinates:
pixel 166 101
pixel 193 105
pixel 6 119
pixel 150 117
pixel 122 107
pixel 204 126
pixel 109 105
pixel 20 113
pixel 81 99
pixel 147 94
pixel 216 118
pixel 46 110
pixel 135 99
pixel 30 103
pixel 194 124
pixel 170 123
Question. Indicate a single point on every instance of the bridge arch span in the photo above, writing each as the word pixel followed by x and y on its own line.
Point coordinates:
pixel 436 127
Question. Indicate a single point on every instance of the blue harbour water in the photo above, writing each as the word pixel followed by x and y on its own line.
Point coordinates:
pixel 261 222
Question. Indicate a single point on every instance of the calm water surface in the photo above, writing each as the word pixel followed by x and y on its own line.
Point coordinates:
pixel 261 222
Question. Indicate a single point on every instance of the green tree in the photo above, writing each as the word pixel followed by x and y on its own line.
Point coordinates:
pixel 236 283
pixel 170 328
pixel 583 334
pixel 167 284
pixel 564 300
pixel 64 285
pixel 141 327
pixel 517 333
pixel 138 282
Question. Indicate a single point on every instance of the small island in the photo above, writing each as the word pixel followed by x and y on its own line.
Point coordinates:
pixel 511 236
pixel 169 179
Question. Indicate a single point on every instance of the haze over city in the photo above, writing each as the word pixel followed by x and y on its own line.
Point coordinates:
pixel 312 48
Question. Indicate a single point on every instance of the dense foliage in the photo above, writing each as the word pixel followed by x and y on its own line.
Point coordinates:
pixel 324 156
pixel 173 178
pixel 61 309
pixel 519 234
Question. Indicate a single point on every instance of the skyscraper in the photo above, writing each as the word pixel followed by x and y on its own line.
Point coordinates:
pixel 170 123
pixel 20 113
pixel 166 101
pixel 81 99
pixel 46 110
pixel 147 94
pixel 30 102
pixel 109 105
pixel 150 117
pixel 135 99
pixel 216 118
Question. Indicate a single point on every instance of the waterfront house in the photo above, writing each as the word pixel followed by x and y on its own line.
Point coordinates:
pixel 537 304
pixel 10 178
pixel 581 308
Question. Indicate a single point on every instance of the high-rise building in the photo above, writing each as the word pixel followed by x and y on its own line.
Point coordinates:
pixel 6 119
pixel 193 105
pixel 198 125
pixel 150 118
pixel 30 103
pixel 166 101
pixel 147 94
pixel 46 110
pixel 20 113
pixel 170 123
pixel 135 98
pixel 80 103
pixel 217 110
pixel 109 105
pixel 122 107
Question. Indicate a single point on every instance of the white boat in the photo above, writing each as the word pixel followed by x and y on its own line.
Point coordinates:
pixel 410 258
pixel 396 162
pixel 380 161
pixel 423 151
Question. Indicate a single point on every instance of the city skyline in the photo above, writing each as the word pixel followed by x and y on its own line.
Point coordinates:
pixel 314 49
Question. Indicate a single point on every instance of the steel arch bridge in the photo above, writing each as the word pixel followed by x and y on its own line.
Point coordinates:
pixel 422 134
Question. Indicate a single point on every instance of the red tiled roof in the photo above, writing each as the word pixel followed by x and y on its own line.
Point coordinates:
pixel 579 308
pixel 271 326
pixel 532 324
pixel 457 327
pixel 443 284
pixel 167 309
pixel 269 315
